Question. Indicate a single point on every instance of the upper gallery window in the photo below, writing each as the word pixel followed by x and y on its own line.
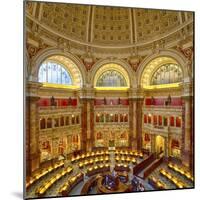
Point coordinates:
pixel 111 78
pixel 167 73
pixel 52 72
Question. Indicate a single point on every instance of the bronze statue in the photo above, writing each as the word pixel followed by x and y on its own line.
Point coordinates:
pixel 105 101
pixel 119 101
pixel 53 102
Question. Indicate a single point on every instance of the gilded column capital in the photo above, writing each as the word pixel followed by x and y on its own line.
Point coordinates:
pixel 87 93
pixel 187 90
pixel 136 93
pixel 32 88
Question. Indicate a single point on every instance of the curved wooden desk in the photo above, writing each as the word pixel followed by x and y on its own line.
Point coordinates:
pixel 65 189
pixel 90 183
pixel 102 189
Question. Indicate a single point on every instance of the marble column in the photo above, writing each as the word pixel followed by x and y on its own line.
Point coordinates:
pixel 90 125
pixel 32 135
pixel 187 140
pixel 83 103
pixel 88 141
pixel 131 124
pixel 134 125
pixel 87 124
pixel 139 104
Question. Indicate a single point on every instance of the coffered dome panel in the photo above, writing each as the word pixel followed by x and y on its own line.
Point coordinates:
pixel 111 25
pixel 70 20
pixel 115 31
pixel 151 23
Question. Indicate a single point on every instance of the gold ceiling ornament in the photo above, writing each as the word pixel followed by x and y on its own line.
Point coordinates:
pixel 63 44
pixel 36 30
pixel 42 44
pixel 60 42
pixel 67 46
pixel 179 45
pixel 188 53
pixel 34 49
pixel 135 59
pixel 88 58
pixel 29 7
pixel 158 45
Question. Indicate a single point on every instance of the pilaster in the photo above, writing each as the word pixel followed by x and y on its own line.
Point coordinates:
pixel 188 133
pixel 87 123
pixel 136 96
pixel 32 128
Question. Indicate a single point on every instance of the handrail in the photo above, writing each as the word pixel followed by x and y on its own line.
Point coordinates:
pixel 152 167
pixel 138 168
pixel 162 106
pixel 57 107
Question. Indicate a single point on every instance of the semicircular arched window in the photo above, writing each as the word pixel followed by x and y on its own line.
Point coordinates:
pixel 52 72
pixel 111 78
pixel 166 74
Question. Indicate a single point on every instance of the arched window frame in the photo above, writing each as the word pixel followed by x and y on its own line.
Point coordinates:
pixel 54 72
pixel 116 80
pixel 166 74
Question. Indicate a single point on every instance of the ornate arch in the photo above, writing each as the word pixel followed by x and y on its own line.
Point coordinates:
pixel 119 65
pixel 53 52
pixel 168 56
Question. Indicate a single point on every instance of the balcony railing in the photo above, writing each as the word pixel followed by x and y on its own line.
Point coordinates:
pixel 60 109
pixel 169 109
pixel 66 127
pixel 56 107
pixel 111 106
pixel 111 123
pixel 162 129
pixel 162 107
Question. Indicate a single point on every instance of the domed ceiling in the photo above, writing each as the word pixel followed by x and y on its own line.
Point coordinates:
pixel 103 29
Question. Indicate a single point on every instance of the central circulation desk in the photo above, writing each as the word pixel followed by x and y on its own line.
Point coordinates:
pixel 102 189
